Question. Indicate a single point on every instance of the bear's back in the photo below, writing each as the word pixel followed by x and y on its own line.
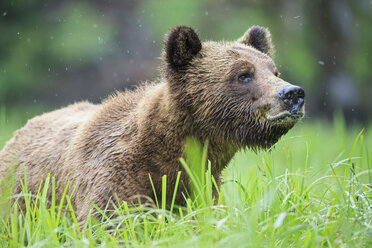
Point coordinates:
pixel 39 144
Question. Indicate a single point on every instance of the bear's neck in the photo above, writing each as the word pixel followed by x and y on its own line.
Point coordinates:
pixel 164 125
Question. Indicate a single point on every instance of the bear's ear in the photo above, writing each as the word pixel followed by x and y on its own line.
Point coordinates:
pixel 259 38
pixel 181 45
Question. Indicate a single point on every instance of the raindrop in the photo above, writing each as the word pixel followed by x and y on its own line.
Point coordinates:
pixel 140 25
pixel 296 17
pixel 49 69
pixel 66 68
pixel 153 41
pixel 35 101
pixel 320 62
pixel 95 25
pixel 352 110
pixel 127 51
pixel 279 220
pixel 5 13
pixel 51 37
pixel 206 13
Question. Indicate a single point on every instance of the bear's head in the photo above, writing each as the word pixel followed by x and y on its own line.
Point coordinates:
pixel 232 90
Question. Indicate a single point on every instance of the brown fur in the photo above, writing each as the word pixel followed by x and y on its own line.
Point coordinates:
pixel 107 151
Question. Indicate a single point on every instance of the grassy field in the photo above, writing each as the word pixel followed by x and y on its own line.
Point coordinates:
pixel 313 190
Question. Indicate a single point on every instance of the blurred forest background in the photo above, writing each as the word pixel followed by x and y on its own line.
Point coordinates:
pixel 55 52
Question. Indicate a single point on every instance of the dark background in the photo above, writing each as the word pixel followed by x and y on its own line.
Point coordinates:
pixel 56 52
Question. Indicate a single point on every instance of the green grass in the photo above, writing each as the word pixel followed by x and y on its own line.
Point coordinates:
pixel 313 190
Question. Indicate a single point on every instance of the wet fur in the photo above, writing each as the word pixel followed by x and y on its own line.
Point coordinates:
pixel 107 151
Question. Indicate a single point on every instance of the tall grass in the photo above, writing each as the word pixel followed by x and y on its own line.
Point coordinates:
pixel 314 189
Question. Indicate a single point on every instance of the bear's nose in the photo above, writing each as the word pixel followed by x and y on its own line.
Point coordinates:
pixel 293 97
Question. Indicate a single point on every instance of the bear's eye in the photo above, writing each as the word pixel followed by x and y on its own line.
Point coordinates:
pixel 276 74
pixel 245 77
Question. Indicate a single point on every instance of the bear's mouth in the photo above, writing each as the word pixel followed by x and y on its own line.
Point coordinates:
pixel 285 117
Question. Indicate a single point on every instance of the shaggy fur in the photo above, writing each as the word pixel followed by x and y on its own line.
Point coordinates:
pixel 259 38
pixel 108 151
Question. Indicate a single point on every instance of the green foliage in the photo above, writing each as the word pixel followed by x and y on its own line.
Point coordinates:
pixel 34 49
pixel 312 190
pixel 46 43
pixel 201 180
pixel 19 65
pixel 240 19
pixel 290 55
pixel 162 15
pixel 82 35
pixel 361 59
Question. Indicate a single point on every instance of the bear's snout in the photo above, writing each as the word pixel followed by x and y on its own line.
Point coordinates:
pixel 293 97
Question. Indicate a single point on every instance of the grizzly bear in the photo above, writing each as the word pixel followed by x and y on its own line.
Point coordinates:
pixel 228 93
